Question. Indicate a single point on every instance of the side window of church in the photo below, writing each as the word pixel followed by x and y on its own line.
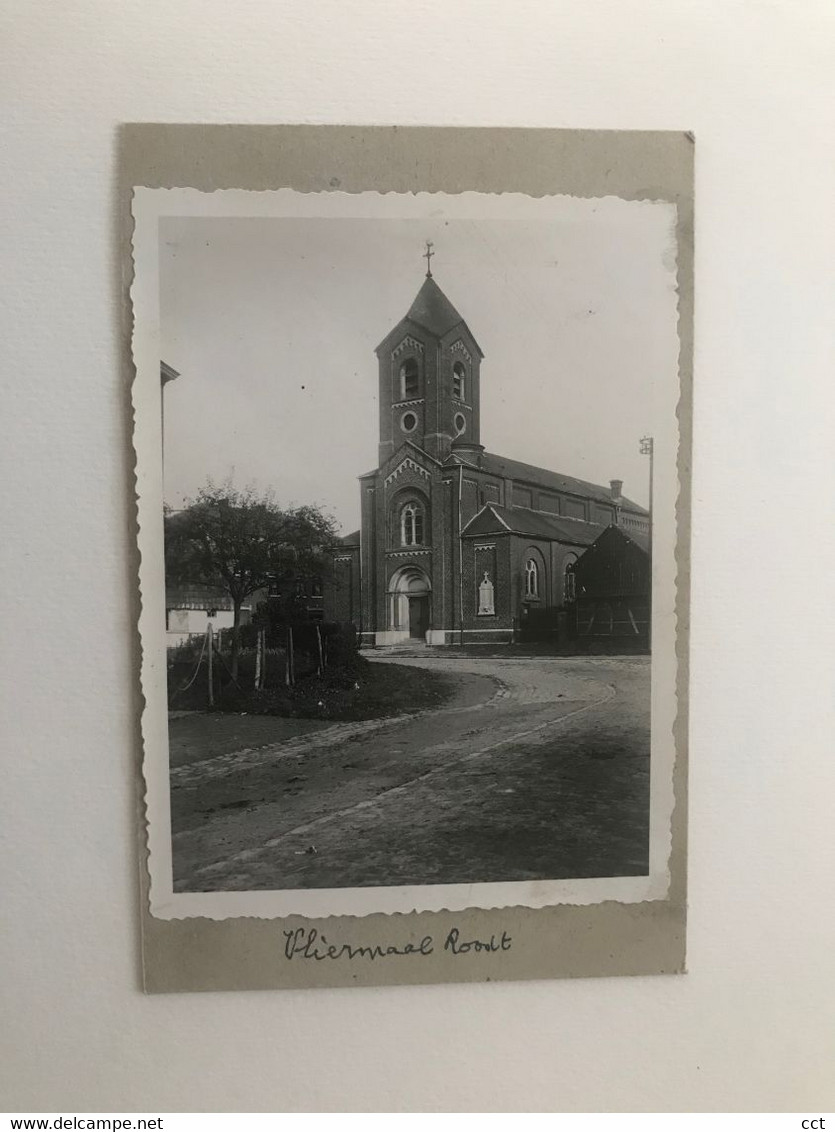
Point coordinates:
pixel 459 377
pixel 570 592
pixel 409 379
pixel 531 578
pixel 411 525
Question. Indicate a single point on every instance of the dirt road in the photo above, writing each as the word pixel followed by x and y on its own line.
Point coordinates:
pixel 539 768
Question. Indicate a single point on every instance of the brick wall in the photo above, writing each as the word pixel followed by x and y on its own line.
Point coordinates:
pixel 492 555
pixel 341 596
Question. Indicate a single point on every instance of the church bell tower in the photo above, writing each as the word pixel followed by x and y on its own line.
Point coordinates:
pixel 430 367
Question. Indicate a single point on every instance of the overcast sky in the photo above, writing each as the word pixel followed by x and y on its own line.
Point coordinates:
pixel 272 323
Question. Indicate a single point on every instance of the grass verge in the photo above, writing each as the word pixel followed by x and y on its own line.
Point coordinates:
pixel 358 690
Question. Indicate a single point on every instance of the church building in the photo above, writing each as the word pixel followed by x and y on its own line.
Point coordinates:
pixel 459 545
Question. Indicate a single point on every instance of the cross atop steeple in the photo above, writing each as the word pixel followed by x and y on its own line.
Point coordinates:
pixel 427 255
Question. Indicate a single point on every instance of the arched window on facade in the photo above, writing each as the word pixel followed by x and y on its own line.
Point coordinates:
pixel 531 578
pixel 409 379
pixel 459 381
pixel 570 581
pixel 411 525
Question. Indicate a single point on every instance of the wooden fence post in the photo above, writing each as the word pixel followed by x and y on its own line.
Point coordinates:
pixel 291 666
pixel 211 646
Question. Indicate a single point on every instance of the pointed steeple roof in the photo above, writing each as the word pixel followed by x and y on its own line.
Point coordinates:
pixel 432 309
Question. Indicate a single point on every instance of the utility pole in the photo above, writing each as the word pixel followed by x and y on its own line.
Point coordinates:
pixel 166 373
pixel 648 449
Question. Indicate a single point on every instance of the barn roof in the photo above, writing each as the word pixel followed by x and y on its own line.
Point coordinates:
pixel 640 538
pixel 197 597
pixel 542 477
pixel 493 519
pixel 623 534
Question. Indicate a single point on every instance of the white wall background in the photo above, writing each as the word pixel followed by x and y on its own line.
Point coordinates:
pixel 751 1026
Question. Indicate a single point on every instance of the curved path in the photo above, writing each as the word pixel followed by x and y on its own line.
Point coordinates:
pixel 539 767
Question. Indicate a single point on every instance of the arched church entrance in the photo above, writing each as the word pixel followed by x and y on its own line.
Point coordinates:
pixel 410 598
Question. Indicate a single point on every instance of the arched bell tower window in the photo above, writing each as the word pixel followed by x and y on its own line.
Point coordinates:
pixel 459 381
pixel 411 525
pixel 531 578
pixel 409 379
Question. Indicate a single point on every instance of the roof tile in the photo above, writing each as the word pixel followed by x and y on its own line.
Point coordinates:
pixel 534 524
pixel 542 477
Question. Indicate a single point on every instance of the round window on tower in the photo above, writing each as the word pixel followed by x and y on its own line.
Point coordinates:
pixel 408 422
pixel 460 424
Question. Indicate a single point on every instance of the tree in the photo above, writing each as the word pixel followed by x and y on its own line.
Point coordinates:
pixel 237 541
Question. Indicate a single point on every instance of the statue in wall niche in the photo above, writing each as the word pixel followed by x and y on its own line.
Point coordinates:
pixel 485 595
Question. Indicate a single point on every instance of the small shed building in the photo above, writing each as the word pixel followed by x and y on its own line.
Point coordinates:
pixel 611 587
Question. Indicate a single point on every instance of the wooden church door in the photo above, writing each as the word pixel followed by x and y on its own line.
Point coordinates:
pixel 418 616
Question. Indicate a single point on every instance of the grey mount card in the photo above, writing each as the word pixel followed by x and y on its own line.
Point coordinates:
pixel 412 429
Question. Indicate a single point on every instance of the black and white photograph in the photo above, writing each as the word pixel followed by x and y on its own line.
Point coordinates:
pixel 414 450
pixel 411 702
